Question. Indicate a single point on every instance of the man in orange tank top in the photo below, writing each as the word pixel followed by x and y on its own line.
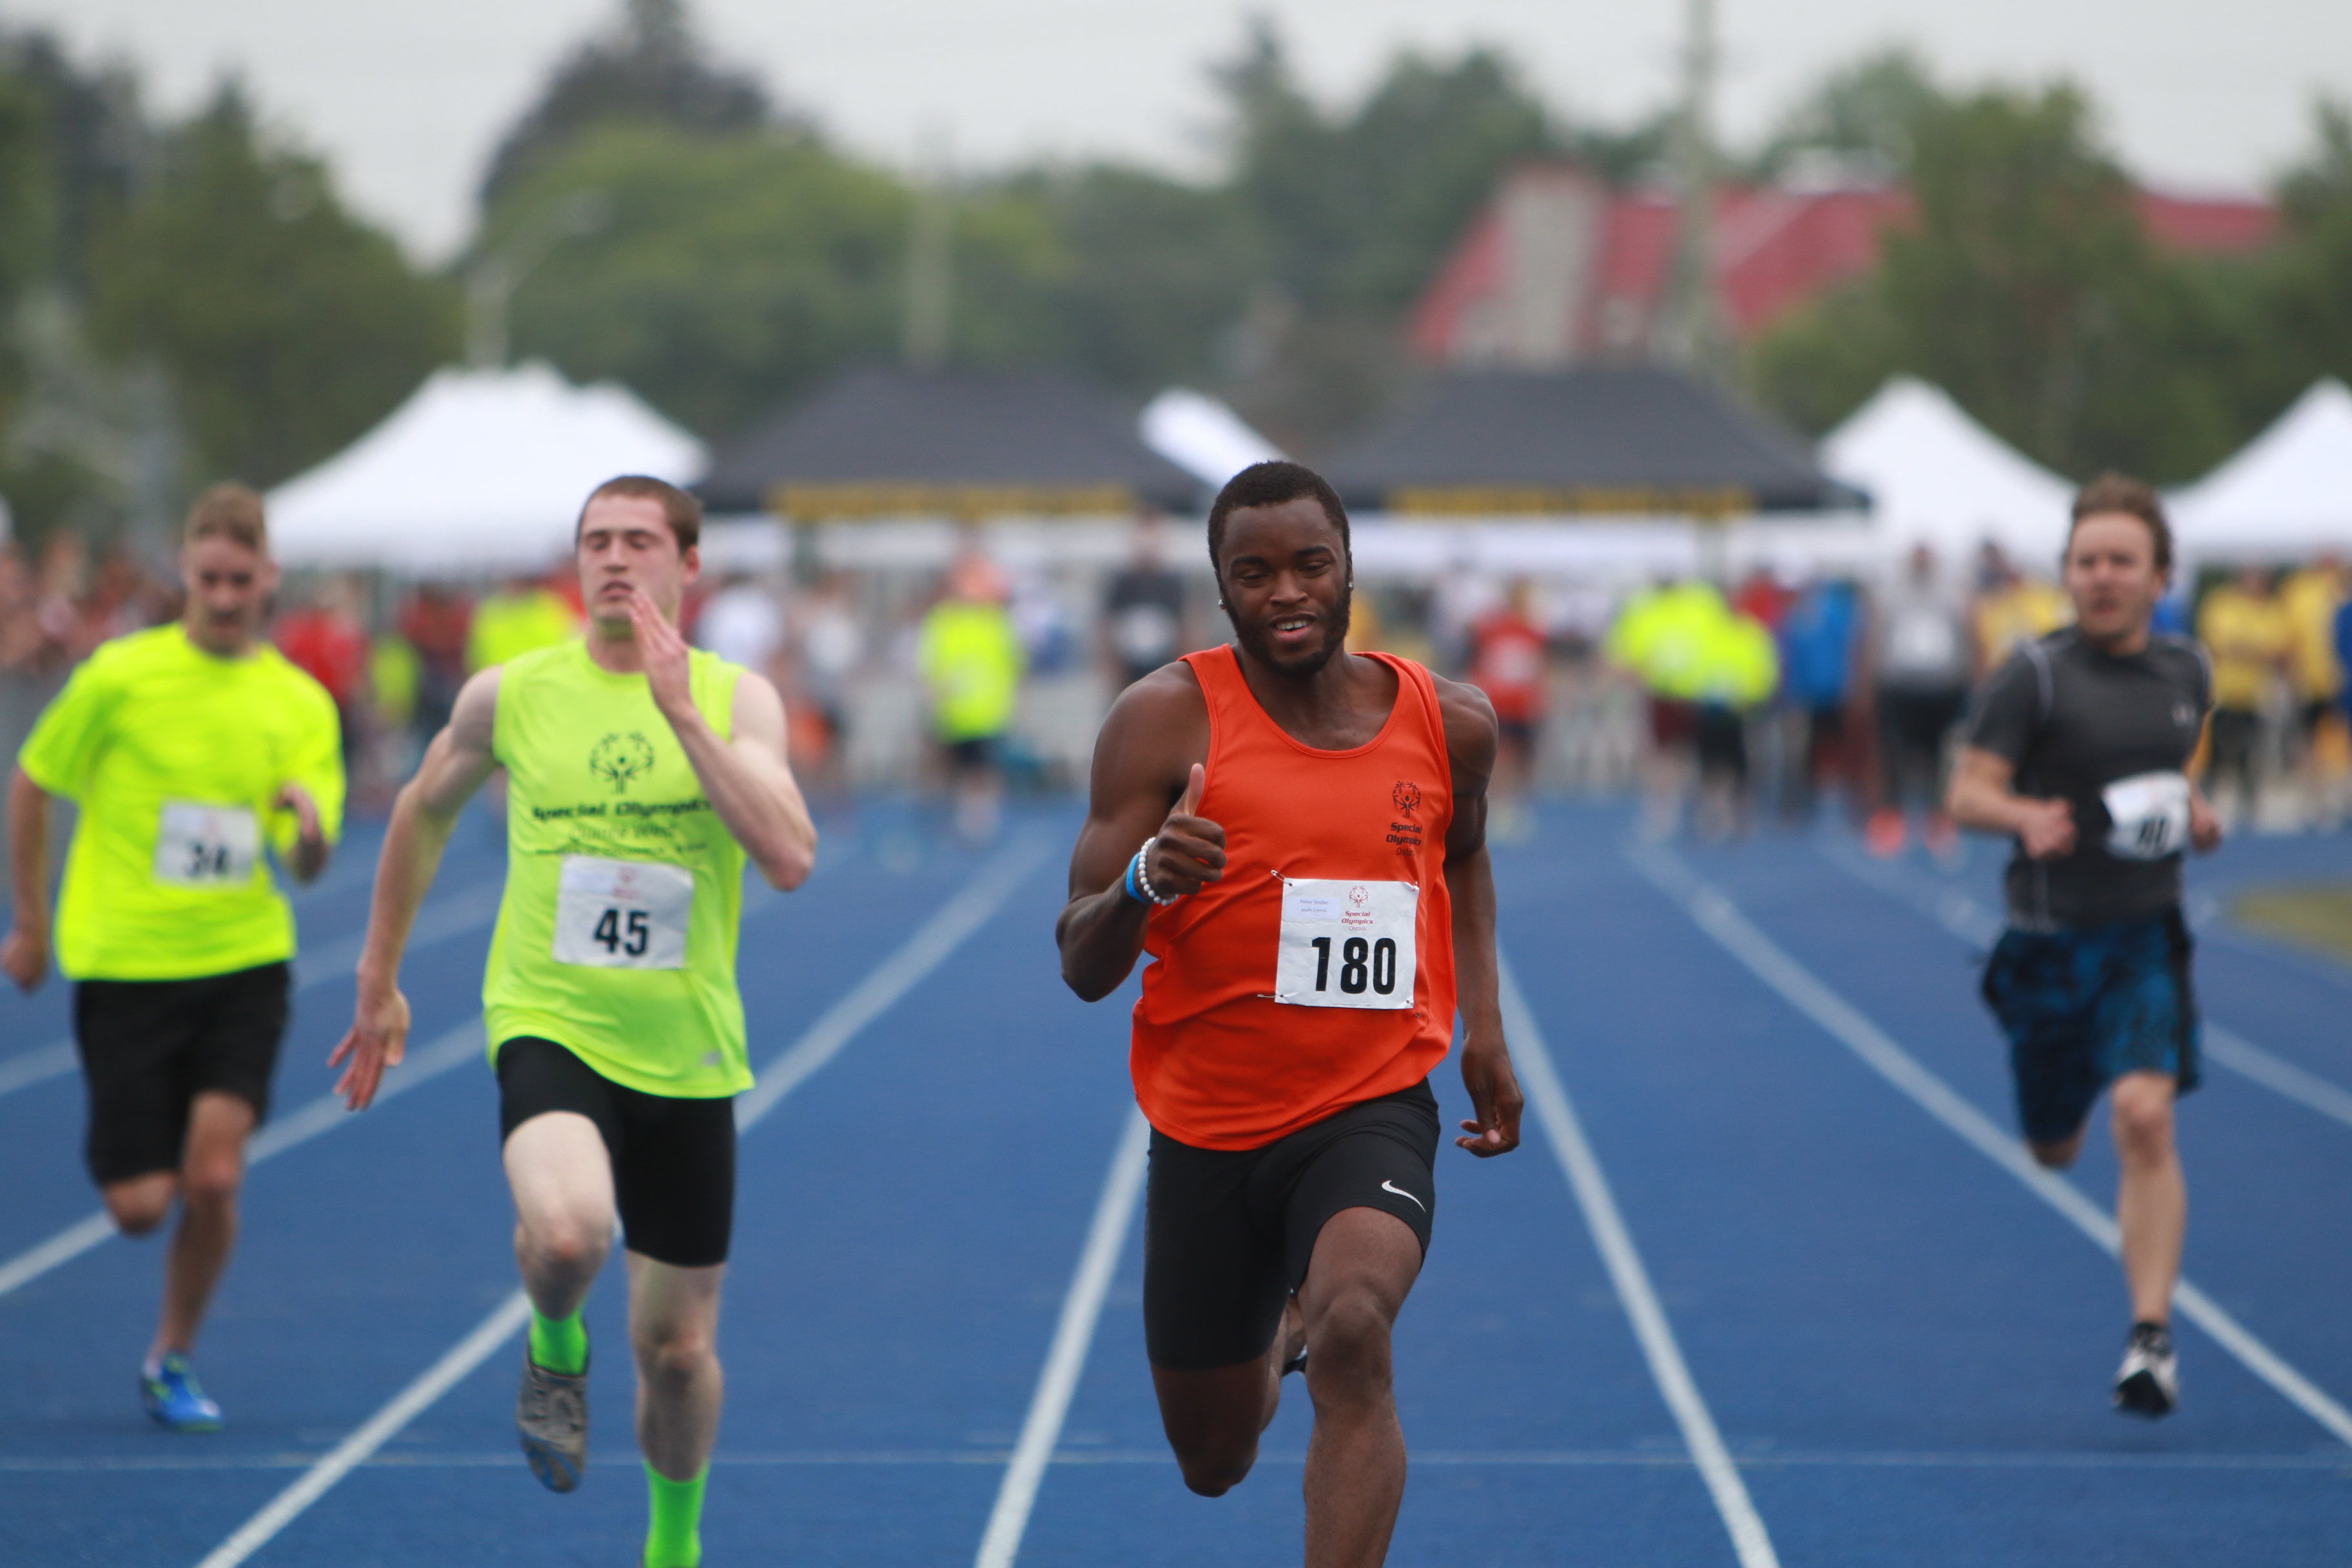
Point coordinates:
pixel 1296 835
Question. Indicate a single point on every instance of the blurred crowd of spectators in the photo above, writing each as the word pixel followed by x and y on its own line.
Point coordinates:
pixel 1776 698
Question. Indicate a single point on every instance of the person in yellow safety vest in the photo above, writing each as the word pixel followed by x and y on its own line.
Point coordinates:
pixel 970 657
pixel 1661 637
pixel 522 617
pixel 2311 598
pixel 1739 668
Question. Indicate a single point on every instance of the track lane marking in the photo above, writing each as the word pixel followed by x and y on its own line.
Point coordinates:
pixel 438 922
pixel 1065 1358
pixel 1964 918
pixel 995 882
pixel 1720 918
pixel 1548 1097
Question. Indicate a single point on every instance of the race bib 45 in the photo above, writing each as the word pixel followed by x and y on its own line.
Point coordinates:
pixel 1346 944
pixel 623 914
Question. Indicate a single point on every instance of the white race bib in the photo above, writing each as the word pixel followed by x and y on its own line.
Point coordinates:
pixel 623 914
pixel 1346 944
pixel 211 847
pixel 2150 813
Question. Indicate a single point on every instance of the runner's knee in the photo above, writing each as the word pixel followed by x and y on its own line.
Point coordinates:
pixel 1216 1467
pixel 211 1180
pixel 1348 1337
pixel 2143 1121
pixel 137 1207
pixel 572 1243
pixel 673 1354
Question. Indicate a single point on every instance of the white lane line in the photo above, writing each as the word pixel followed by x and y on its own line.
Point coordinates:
pixel 460 1045
pixel 962 915
pixel 464 1356
pixel 1016 1494
pixel 1549 1099
pixel 1721 919
pixel 436 922
pixel 1972 921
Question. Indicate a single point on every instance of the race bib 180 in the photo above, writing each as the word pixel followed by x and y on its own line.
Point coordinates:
pixel 207 846
pixel 623 914
pixel 2150 813
pixel 1346 944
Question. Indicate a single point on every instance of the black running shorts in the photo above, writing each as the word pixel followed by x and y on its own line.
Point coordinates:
pixel 150 1046
pixel 673 1159
pixel 1228 1233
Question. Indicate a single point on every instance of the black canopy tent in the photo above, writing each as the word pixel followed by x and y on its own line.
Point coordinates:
pixel 1619 440
pixel 964 444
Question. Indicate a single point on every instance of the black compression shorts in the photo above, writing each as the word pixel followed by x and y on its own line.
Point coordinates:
pixel 1228 1233
pixel 673 1159
pixel 150 1046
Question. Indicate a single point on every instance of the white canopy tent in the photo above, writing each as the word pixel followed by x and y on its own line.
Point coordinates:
pixel 1938 478
pixel 1201 435
pixel 480 471
pixel 2287 496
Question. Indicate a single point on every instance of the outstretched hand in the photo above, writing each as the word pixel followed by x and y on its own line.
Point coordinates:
pixel 378 1040
pixel 1190 853
pixel 1493 1095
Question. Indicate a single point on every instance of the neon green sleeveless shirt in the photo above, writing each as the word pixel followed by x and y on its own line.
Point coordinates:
pixel 616 936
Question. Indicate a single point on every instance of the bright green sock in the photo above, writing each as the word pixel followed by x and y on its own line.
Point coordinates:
pixel 559 1345
pixel 674 1539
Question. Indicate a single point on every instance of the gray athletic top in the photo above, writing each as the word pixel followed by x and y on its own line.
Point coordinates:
pixel 2073 721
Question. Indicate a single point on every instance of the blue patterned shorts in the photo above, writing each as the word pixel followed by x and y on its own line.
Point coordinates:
pixel 2083 1007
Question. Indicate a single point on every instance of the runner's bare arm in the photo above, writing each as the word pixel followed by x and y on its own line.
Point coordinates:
pixel 312 850
pixel 1146 778
pixel 748 779
pixel 1980 796
pixel 1470 744
pixel 455 766
pixel 26 953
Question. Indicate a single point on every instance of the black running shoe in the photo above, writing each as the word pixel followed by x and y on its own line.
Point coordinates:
pixel 2149 1382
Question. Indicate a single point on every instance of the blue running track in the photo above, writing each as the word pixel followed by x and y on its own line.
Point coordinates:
pixel 1903 1347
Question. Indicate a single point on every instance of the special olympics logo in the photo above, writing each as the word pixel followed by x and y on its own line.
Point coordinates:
pixel 618 759
pixel 1407 795
pixel 1359 896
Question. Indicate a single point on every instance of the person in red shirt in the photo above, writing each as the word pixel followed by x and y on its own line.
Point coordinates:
pixel 1312 876
pixel 1509 655
pixel 327 641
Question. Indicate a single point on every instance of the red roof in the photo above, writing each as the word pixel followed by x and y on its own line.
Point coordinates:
pixel 1775 249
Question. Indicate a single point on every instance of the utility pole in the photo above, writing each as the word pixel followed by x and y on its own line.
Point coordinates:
pixel 931 266
pixel 490 282
pixel 1689 330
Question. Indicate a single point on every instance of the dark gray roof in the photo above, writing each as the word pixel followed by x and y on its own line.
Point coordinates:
pixel 885 440
pixel 1607 438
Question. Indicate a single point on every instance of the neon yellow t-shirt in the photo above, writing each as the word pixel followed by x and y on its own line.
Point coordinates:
pixel 971 659
pixel 2249 640
pixel 2311 598
pixel 616 936
pixel 508 626
pixel 173 756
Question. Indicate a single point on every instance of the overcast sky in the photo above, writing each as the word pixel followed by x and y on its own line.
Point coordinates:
pixel 407 99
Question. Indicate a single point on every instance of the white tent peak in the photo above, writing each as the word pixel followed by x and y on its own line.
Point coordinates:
pixel 1201 435
pixel 1935 477
pixel 2287 492
pixel 480 471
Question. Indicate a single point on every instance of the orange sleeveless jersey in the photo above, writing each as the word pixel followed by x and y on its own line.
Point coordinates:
pixel 1218 1062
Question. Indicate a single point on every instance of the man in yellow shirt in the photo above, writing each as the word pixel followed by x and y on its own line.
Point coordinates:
pixel 642 774
pixel 2311 598
pixel 189 748
pixel 2247 634
pixel 525 616
pixel 970 659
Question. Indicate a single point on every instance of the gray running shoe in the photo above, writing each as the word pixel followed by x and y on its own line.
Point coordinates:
pixel 552 1415
pixel 2148 1383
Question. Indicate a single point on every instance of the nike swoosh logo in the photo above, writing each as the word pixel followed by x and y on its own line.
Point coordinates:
pixel 1391 1187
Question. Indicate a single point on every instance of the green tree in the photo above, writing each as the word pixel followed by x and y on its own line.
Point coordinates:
pixel 650 70
pixel 2029 289
pixel 735 272
pixel 1865 113
pixel 285 326
pixel 2304 287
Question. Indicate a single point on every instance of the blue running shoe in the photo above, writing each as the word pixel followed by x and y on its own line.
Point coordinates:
pixel 175 1400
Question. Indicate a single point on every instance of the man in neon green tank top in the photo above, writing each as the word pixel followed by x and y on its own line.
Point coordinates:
pixel 191 749
pixel 641 774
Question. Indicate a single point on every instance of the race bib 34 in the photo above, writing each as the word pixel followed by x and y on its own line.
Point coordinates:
pixel 211 847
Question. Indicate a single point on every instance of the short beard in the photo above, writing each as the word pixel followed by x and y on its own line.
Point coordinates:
pixel 1334 641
